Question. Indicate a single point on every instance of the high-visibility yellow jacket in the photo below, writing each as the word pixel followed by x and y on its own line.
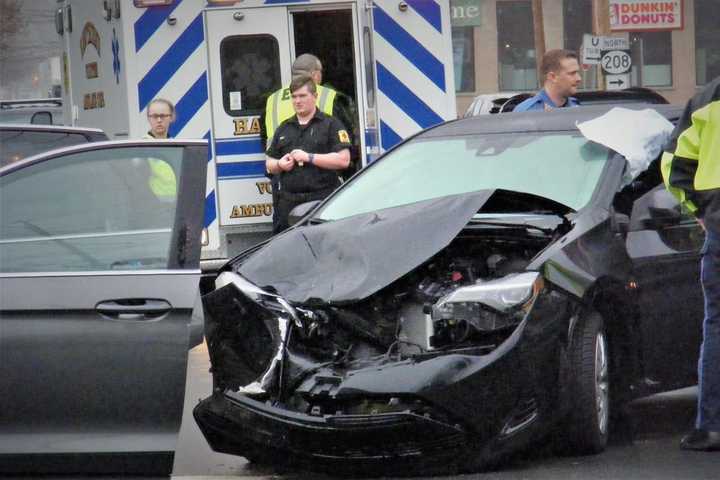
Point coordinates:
pixel 691 162
pixel 278 107
pixel 162 181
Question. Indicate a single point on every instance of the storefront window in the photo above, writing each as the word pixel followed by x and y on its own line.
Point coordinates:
pixel 707 39
pixel 516 46
pixel 577 21
pixel 463 57
pixel 652 58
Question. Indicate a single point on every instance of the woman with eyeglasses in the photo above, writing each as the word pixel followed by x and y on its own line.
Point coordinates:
pixel 162 181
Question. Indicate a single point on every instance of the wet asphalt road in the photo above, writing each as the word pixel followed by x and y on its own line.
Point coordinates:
pixel 644 448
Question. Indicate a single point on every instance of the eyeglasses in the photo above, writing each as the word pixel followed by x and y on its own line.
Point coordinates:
pixel 159 116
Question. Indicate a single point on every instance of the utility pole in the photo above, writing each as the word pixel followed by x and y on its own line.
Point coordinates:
pixel 539 31
pixel 601 28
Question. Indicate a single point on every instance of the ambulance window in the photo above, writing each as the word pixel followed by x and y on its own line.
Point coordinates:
pixel 369 79
pixel 250 66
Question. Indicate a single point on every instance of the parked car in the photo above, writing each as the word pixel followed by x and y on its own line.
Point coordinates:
pixel 409 325
pixel 41 111
pixel 18 141
pixel 506 102
pixel 98 279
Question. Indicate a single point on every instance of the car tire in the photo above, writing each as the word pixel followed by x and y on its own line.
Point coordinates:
pixel 588 420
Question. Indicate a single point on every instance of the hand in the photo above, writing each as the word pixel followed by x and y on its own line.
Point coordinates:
pixel 300 156
pixel 701 222
pixel 286 163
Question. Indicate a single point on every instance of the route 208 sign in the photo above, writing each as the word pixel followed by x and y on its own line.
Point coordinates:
pixel 616 61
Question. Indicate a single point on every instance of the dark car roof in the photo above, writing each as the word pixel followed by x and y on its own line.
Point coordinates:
pixel 537 121
pixel 34 127
pixel 18 141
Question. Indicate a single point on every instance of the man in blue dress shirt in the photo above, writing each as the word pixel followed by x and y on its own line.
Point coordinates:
pixel 561 73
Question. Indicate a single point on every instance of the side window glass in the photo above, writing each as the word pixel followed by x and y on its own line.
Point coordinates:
pixel 250 67
pixel 111 209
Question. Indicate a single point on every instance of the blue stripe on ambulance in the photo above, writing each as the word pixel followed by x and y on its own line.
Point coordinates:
pixel 234 170
pixel 150 21
pixel 189 104
pixel 389 137
pixel 210 210
pixel 210 203
pixel 414 36
pixel 225 147
pixel 170 62
pixel 409 47
pixel 429 10
pixel 404 98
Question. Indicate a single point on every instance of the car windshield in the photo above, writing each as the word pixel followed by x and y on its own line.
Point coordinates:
pixel 561 166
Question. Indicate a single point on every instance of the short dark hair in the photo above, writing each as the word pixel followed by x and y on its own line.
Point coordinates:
pixel 551 61
pixel 300 81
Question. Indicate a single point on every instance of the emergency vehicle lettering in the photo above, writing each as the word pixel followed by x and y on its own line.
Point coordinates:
pixel 264 188
pixel 93 100
pixel 254 210
pixel 91 70
pixel 246 126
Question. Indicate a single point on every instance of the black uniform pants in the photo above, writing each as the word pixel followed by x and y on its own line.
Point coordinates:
pixel 285 201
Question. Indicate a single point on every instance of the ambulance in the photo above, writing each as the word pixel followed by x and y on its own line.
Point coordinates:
pixel 218 60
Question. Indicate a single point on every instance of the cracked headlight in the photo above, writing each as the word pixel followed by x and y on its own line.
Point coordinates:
pixel 490 305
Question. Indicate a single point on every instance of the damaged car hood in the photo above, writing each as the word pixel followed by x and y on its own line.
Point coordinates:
pixel 348 260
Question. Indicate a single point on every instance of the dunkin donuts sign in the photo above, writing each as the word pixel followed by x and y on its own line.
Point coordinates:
pixel 628 15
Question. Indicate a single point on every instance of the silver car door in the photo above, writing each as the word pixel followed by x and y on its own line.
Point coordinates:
pixel 99 270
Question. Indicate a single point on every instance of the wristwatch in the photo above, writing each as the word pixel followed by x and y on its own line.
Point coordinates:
pixel 311 158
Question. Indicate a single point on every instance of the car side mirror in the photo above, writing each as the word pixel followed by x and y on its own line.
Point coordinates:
pixel 297 213
pixel 663 217
pixel 41 118
pixel 655 210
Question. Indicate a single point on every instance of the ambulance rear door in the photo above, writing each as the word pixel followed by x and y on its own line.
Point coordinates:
pixel 248 59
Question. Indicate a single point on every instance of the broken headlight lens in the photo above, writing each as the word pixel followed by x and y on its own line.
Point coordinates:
pixel 490 305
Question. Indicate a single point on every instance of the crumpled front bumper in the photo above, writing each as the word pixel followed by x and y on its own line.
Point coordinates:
pixel 235 424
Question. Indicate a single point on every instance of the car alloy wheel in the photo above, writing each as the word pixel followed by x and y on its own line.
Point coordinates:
pixel 587 422
pixel 602 383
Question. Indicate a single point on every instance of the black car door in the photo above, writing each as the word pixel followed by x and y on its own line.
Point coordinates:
pixel 664 245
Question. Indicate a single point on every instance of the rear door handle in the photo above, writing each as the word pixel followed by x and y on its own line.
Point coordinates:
pixel 133 308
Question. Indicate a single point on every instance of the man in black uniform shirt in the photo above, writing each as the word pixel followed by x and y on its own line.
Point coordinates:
pixel 306 151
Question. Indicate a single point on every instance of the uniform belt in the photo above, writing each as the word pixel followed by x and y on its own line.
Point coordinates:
pixel 305 196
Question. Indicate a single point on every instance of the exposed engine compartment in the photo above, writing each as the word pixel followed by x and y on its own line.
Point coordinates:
pixel 399 316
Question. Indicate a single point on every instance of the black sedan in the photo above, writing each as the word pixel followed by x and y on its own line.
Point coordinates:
pixel 486 283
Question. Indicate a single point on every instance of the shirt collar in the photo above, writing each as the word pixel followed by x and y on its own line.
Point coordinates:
pixel 542 95
pixel 317 117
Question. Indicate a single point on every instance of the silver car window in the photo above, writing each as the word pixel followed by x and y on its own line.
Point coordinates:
pixel 90 211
